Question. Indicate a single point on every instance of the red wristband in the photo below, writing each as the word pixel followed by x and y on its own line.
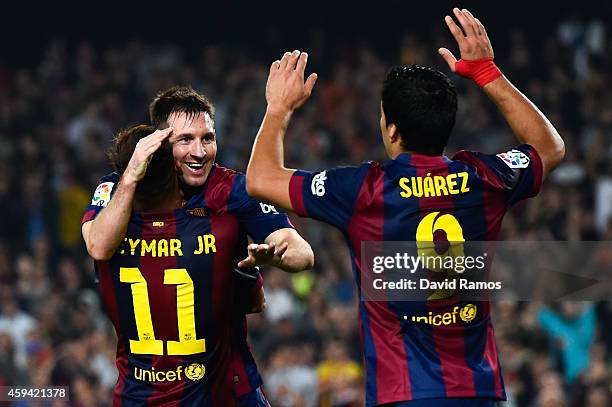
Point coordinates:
pixel 482 71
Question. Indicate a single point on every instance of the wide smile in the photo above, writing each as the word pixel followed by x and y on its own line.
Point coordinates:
pixel 194 168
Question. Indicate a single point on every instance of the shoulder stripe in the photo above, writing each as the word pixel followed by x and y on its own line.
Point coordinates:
pixel 538 170
pixel 219 189
pixel 296 194
pixel 89 215
pixel 357 234
pixel 385 357
pixel 482 169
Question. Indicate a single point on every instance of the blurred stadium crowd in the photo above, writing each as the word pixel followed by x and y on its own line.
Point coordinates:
pixel 57 120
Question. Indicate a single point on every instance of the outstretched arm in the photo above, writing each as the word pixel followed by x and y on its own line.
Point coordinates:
pixel 103 234
pixel 528 123
pixel 267 179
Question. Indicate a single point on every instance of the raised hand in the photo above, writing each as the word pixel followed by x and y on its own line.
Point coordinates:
pixel 264 254
pixel 286 89
pixel 473 45
pixel 137 167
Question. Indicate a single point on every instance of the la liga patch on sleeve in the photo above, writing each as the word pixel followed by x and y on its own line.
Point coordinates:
pixel 102 194
pixel 514 159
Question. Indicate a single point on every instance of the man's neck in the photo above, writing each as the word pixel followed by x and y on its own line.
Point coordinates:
pixel 189 191
pixel 394 154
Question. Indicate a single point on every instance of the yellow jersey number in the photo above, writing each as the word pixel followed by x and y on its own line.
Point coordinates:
pixel 426 247
pixel 146 343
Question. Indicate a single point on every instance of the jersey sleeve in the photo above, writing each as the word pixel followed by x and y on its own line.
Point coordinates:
pixel 329 196
pixel 248 283
pixel 259 219
pixel 102 195
pixel 516 173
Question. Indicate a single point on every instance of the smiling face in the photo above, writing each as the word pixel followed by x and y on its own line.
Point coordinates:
pixel 194 146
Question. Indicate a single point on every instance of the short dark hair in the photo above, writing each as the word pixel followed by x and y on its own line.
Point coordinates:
pixel 160 178
pixel 422 103
pixel 179 99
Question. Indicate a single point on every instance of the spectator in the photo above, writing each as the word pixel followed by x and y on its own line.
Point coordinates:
pixel 574 329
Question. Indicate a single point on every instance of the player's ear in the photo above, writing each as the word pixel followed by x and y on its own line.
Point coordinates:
pixel 393 134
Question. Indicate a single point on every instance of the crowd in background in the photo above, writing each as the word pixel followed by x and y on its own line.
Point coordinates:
pixel 57 121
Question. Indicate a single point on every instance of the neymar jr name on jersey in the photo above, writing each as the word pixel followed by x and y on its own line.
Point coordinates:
pixel 436 185
pixel 165 247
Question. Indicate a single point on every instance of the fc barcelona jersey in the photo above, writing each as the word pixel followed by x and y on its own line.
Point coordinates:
pixel 170 292
pixel 407 358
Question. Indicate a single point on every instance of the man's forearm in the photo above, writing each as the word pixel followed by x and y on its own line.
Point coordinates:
pixel 108 228
pixel 272 134
pixel 297 258
pixel 266 167
pixel 527 122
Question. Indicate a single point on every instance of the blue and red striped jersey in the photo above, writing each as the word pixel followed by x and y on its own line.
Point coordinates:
pixel 171 293
pixel 404 359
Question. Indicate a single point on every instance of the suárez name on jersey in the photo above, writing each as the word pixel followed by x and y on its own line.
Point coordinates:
pixel 165 247
pixel 436 185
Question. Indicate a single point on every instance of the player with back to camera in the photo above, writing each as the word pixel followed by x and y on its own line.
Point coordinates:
pixel 411 363
pixel 195 371
pixel 218 196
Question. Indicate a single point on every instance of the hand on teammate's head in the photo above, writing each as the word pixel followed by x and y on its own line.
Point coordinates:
pixel 143 152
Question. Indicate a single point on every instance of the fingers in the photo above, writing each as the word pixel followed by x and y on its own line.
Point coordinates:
pixel 293 59
pixel 471 25
pixel 286 89
pixel 160 135
pixel 261 249
pixel 281 249
pixel 301 63
pixel 267 249
pixel 156 137
pixel 143 153
pixel 479 29
pixel 448 57
pixel 464 20
pixel 153 141
pixel 284 60
pixel 165 132
pixel 455 30
pixel 310 82
pixel 471 21
pixel 275 66
pixel 483 31
pixel 249 261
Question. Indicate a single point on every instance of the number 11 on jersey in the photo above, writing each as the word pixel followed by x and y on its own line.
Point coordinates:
pixel 146 342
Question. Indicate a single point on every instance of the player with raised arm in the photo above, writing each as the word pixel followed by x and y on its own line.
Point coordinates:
pixel 408 362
